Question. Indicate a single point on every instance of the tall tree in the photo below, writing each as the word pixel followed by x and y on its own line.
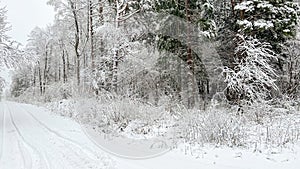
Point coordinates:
pixel 268 22
pixel 10 54
pixel 196 13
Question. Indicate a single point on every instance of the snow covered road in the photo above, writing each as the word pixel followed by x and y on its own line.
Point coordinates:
pixel 30 140
pixel 33 138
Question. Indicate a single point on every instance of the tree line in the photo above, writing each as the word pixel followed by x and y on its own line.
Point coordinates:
pixel 247 50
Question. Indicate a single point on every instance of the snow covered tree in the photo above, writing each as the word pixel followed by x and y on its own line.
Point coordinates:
pixel 196 14
pixel 124 9
pixel 10 54
pixel 41 44
pixel 269 22
pixel 289 81
pixel 73 10
pixel 253 77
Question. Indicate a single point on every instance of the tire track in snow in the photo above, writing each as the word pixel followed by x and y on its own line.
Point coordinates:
pixel 88 161
pixel 76 144
pixel 2 132
pixel 22 154
pixel 18 145
pixel 41 157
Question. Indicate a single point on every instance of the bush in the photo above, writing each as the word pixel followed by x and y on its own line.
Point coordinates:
pixel 263 125
pixel 212 126
pixel 113 110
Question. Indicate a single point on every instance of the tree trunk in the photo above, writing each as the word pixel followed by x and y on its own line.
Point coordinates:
pixel 40 80
pixel 64 67
pixel 115 71
pixel 116 50
pixel 91 28
pixel 45 69
pixel 190 62
pixel 76 46
pixel 34 77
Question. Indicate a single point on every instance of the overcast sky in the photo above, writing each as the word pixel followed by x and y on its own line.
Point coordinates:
pixel 24 15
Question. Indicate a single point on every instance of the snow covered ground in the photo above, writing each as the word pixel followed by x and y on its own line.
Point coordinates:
pixel 33 137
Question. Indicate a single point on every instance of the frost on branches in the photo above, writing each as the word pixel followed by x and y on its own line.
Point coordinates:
pixel 259 30
pixel 10 54
pixel 252 77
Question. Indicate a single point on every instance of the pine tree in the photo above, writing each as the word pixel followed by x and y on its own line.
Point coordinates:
pixel 270 23
pixel 198 13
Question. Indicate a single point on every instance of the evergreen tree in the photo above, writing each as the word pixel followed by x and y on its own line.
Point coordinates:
pixel 269 22
pixel 199 14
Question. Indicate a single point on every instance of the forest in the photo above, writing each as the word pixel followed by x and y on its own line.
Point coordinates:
pixel 225 72
pixel 186 52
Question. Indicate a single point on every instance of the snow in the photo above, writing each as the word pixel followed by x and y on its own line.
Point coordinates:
pixel 217 158
pixel 245 23
pixel 6 76
pixel 245 5
pixel 264 4
pixel 132 107
pixel 263 24
pixel 33 137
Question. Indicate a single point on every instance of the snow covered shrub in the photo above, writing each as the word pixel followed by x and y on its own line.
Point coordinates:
pixel 116 112
pixel 126 110
pixel 272 124
pixel 63 107
pixel 275 132
pixel 20 84
pixel 53 93
pixel 252 77
pixel 213 126
pixel 30 95
pixel 260 112
pixel 2 82
pixel 219 101
pixel 58 91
